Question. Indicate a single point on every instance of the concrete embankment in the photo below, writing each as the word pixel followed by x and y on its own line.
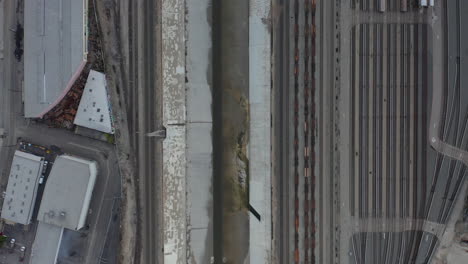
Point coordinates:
pixel 174 120
pixel 260 131
pixel 199 132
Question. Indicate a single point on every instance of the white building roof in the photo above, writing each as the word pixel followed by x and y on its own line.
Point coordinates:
pixel 68 191
pixel 94 109
pixel 22 187
pixel 55 48
pixel 46 245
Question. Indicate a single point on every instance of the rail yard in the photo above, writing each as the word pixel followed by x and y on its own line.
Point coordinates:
pixel 390 165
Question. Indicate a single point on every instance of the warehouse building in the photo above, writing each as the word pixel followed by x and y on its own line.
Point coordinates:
pixel 65 204
pixel 55 51
pixel 21 191
pixel 46 246
pixel 94 110
pixel 67 193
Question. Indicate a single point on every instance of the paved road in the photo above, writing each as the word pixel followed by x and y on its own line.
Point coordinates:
pixel 8 84
pixel 144 99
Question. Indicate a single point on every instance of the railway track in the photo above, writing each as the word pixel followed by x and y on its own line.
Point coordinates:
pixel 385 5
pixel 307 140
pixel 303 43
pixel 391 91
pixel 395 175
pixel 296 130
pixel 453 131
pixel 143 111
pixel 387 112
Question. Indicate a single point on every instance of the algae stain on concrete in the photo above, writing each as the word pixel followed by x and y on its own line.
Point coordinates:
pixel 241 194
pixel 236 173
pixel 236 140
pixel 231 112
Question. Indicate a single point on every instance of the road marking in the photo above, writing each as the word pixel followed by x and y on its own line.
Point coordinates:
pixel 84 147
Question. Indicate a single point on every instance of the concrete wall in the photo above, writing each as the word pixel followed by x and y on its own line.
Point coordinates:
pixel 199 128
pixel 187 149
pixel 260 130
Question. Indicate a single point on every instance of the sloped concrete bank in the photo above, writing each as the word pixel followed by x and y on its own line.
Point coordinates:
pixel 199 128
pixel 260 130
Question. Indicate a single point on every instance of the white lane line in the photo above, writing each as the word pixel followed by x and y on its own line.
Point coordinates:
pixel 85 147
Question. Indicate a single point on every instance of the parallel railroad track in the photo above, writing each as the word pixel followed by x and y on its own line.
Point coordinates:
pixel 303 27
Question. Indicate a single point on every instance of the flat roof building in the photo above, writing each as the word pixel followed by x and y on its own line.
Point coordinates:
pixel 55 50
pixel 68 191
pixel 21 191
pixel 94 110
pixel 46 245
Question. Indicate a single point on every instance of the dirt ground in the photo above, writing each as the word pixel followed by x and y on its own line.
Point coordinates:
pixel 455 251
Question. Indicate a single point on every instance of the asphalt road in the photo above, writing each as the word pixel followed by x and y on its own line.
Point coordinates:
pixel 145 109
pixel 9 88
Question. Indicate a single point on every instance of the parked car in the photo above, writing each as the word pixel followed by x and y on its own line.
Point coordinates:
pixel 44 167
